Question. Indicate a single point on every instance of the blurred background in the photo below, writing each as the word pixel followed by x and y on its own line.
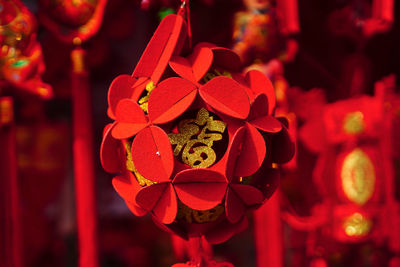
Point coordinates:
pixel 334 73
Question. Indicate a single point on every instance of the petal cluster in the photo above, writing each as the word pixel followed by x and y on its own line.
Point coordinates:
pixel 137 144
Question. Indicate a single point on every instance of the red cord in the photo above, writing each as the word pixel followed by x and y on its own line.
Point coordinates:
pixel 185 10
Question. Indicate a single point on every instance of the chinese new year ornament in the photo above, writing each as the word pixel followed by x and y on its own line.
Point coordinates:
pixel 21 61
pixel 193 140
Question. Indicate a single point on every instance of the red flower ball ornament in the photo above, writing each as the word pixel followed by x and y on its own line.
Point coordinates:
pixel 193 139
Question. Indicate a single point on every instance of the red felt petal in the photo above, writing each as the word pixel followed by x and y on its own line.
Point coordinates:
pixel 120 88
pixel 195 66
pixel 252 153
pixel 200 189
pixel 267 124
pixel 166 208
pixel 126 130
pixel 182 67
pixel 170 99
pixel 225 230
pixel 234 206
pixel 160 48
pixel 123 185
pixel 259 83
pixel 111 153
pixel 128 111
pixel 149 196
pixel 226 96
pixel 138 211
pixel 227 58
pixel 234 151
pixel 201 60
pixel 152 154
pixel 259 107
pixel 248 194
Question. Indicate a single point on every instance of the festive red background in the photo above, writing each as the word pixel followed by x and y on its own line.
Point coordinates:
pixel 321 78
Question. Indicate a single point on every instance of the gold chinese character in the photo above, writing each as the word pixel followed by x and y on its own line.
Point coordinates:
pixel 195 143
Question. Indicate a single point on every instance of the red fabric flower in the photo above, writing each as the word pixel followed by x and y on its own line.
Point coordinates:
pixel 167 40
pixel 222 93
pixel 200 189
pixel 112 153
pixel 260 91
pixel 128 187
pixel 160 200
pixel 238 196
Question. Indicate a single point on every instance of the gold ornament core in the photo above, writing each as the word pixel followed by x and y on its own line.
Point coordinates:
pixel 196 143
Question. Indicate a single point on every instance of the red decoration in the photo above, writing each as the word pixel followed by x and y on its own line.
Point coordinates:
pixel 11 244
pixel 355 171
pixel 73 23
pixel 21 62
pixel 193 150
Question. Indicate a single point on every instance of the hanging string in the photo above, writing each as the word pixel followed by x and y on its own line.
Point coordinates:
pixel 185 10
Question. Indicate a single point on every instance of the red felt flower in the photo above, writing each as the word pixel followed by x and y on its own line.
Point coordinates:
pixel 258 83
pixel 167 40
pixel 203 189
pixel 158 198
pixel 151 149
pixel 254 149
pixel 204 55
pixel 222 93
pixel 128 187
pixel 200 189
pixel 111 152
pixel 238 196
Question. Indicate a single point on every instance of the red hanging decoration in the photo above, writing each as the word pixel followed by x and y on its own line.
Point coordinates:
pixel 21 66
pixel 354 172
pixel 383 10
pixel 193 139
pixel 11 242
pixel 289 16
pixel 74 23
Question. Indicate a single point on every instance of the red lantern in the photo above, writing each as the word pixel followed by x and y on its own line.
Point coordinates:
pixel 354 172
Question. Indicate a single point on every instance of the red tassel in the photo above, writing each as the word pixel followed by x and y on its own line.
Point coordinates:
pixel 83 163
pixel 383 9
pixel 268 234
pixel 288 11
pixel 11 237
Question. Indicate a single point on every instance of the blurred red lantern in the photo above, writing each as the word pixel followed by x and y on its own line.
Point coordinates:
pixel 21 62
pixel 73 13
